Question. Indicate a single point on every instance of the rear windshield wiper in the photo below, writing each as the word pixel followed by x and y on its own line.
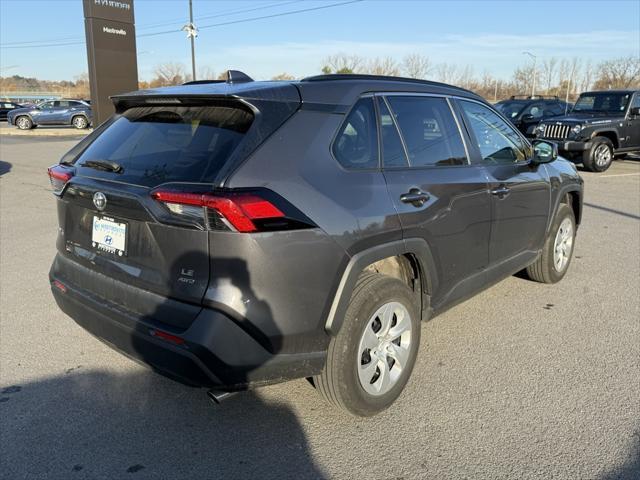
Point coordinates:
pixel 107 165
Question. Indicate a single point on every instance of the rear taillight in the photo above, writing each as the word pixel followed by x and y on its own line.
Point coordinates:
pixel 244 212
pixel 59 175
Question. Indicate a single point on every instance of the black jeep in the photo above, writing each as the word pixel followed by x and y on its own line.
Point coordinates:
pixel 526 112
pixel 600 126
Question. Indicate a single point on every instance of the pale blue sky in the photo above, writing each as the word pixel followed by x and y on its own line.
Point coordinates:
pixel 486 35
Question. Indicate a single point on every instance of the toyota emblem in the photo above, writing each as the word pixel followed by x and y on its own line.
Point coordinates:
pixel 100 200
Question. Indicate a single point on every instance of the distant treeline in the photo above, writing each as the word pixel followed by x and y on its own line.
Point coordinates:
pixel 553 76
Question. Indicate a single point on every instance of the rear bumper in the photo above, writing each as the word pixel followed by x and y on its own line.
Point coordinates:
pixel 214 351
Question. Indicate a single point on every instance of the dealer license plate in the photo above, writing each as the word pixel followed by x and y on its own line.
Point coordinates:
pixel 109 236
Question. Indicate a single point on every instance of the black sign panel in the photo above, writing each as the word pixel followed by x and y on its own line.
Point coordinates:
pixel 111 51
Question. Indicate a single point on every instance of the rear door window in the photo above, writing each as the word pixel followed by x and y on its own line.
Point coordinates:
pixel 159 144
pixel 429 130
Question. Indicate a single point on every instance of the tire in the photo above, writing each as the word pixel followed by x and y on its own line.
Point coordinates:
pixel 546 268
pixel 80 122
pixel 343 380
pixel 599 157
pixel 24 123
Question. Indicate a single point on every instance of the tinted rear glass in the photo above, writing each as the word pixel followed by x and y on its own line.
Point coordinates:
pixel 159 144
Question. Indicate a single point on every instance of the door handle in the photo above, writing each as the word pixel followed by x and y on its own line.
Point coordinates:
pixel 415 197
pixel 501 191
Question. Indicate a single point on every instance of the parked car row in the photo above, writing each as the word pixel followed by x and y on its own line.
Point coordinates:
pixel 600 126
pixel 53 112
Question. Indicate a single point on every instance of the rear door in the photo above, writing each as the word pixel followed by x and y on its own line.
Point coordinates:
pixel 520 193
pixel 111 223
pixel 440 197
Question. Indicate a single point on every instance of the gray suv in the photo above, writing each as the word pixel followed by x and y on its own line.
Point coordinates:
pixel 235 234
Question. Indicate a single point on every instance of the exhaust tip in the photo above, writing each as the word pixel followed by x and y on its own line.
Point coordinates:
pixel 218 396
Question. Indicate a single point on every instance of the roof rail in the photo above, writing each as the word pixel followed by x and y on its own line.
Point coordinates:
pixel 388 78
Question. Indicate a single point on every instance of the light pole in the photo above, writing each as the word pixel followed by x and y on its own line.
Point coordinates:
pixel 535 61
pixel 192 33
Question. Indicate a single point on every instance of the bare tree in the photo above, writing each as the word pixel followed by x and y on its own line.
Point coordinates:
pixel 621 72
pixel 416 65
pixel 586 77
pixel 342 63
pixel 283 76
pixel 465 78
pixel 446 73
pixel 168 74
pixel 549 71
pixel 383 66
pixel 206 73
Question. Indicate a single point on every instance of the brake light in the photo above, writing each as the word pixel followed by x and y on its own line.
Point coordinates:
pixel 239 209
pixel 59 175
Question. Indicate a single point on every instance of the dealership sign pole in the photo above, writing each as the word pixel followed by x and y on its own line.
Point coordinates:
pixel 111 52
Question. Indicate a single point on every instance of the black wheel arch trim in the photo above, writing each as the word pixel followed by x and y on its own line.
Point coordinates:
pixel 417 247
pixel 562 193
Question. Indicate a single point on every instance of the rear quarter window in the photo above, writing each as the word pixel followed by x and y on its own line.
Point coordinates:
pixel 159 144
pixel 356 145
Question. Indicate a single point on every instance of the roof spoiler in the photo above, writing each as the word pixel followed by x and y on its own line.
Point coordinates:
pixel 232 76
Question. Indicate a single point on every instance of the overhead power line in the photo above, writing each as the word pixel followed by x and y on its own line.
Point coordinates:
pixel 146 26
pixel 61 42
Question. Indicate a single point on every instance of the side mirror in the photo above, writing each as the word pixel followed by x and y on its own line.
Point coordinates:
pixel 635 112
pixel 544 152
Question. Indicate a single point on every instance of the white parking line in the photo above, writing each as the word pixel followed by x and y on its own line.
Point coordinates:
pixel 619 175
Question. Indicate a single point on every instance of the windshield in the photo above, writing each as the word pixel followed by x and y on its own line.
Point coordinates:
pixel 602 102
pixel 158 144
pixel 510 109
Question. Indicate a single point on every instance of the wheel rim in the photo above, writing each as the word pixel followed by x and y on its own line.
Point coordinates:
pixel 23 123
pixel 563 245
pixel 79 122
pixel 384 348
pixel 602 155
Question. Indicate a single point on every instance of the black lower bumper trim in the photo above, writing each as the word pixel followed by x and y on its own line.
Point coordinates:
pixel 214 352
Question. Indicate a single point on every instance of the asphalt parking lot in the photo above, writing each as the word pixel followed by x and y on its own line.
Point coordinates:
pixel 523 381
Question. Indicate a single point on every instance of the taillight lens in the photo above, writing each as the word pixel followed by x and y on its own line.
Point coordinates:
pixel 240 210
pixel 59 175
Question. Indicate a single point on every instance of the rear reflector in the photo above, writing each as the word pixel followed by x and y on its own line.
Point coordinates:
pixel 239 209
pixel 59 175
pixel 166 336
pixel 60 286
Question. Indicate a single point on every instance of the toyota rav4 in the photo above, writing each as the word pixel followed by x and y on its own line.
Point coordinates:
pixel 235 234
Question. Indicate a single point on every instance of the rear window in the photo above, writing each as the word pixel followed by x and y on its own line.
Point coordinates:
pixel 160 144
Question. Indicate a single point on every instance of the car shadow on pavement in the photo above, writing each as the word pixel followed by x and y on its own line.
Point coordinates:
pixel 612 210
pixel 99 424
pixel 630 470
pixel 5 167
pixel 105 424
